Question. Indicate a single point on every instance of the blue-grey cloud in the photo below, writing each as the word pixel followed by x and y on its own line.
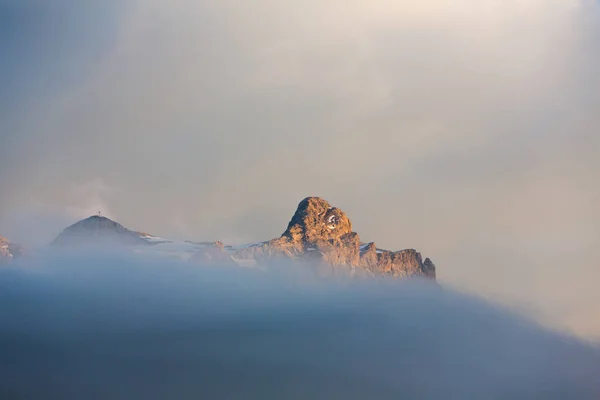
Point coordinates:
pixel 112 327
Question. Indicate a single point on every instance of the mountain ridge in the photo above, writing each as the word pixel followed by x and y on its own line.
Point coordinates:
pixel 318 234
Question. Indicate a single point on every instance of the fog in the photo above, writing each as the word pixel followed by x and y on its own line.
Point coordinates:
pixel 100 326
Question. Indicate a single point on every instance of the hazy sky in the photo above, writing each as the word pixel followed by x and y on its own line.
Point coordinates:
pixel 468 129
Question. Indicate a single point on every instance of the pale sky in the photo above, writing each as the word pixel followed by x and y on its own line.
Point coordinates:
pixel 468 129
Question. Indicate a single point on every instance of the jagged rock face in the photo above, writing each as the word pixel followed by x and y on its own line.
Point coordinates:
pixel 317 233
pixel 322 235
pixel 429 268
pixel 97 230
pixel 9 251
pixel 316 221
pixel 402 264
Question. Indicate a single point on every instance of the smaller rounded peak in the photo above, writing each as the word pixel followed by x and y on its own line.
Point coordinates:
pixel 96 221
pixel 97 228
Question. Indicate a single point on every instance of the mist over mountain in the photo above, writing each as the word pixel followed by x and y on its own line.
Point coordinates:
pixel 100 326
pixel 125 314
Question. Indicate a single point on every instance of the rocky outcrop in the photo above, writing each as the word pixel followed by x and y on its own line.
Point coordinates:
pixel 401 264
pixel 9 251
pixel 97 231
pixel 322 235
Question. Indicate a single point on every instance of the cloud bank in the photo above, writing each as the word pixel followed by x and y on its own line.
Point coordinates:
pixel 114 327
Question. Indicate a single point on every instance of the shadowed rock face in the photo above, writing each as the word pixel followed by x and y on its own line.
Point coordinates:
pixel 97 230
pixel 322 234
pixel 9 251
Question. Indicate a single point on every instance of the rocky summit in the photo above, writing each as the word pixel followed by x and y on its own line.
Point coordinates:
pixel 322 235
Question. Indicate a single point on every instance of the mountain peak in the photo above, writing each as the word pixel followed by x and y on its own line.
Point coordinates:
pixel 321 234
pixel 95 229
pixel 316 220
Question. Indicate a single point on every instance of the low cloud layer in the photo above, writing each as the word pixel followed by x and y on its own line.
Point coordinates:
pixel 114 327
pixel 465 129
